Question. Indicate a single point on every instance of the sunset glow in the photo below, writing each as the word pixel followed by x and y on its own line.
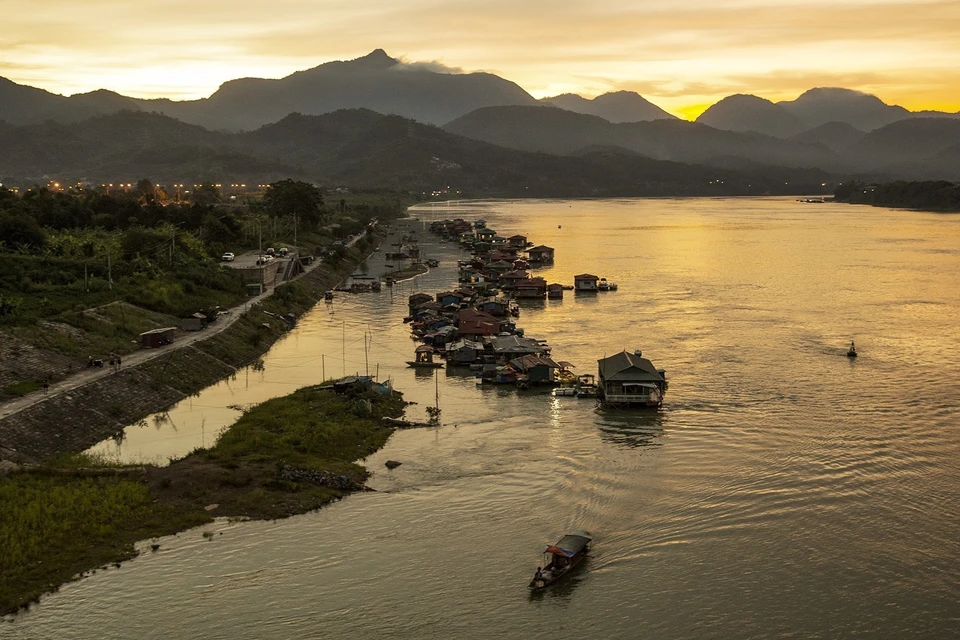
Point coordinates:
pixel 680 58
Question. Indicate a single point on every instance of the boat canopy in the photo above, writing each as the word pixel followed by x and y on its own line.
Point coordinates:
pixel 569 545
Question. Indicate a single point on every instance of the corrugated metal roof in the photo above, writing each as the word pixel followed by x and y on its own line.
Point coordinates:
pixel 628 366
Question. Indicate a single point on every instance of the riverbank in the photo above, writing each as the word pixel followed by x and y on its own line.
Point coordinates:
pixel 84 414
pixel 284 457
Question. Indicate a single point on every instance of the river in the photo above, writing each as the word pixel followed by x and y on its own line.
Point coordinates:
pixel 782 491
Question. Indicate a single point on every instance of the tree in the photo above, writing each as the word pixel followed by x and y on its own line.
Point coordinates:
pixel 289 197
pixel 146 190
pixel 21 230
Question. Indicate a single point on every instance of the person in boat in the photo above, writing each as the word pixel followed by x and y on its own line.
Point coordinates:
pixel 853 348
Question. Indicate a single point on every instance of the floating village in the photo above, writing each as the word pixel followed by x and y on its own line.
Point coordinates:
pixel 474 328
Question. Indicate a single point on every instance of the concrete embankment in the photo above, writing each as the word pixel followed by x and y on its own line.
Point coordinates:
pixel 75 420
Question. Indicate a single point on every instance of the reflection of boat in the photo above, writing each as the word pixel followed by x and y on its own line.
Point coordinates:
pixel 561 558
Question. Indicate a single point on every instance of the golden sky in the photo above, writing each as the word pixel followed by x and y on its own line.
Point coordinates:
pixel 680 55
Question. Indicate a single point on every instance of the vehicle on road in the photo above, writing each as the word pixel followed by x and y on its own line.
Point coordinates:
pixel 228 257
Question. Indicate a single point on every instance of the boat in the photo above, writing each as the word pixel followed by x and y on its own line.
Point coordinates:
pixel 852 351
pixel 565 391
pixel 587 386
pixel 603 285
pixel 561 557
pixel 328 295
pixel 424 359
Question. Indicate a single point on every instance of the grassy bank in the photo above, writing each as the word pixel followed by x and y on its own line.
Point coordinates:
pixel 286 456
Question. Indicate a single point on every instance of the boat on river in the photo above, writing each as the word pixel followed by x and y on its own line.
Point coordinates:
pixel 424 358
pixel 561 558
pixel 852 351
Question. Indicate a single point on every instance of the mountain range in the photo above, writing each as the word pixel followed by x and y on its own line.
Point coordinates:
pixel 362 149
pixel 236 130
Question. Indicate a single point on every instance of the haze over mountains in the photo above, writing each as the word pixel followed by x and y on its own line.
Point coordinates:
pixel 835 130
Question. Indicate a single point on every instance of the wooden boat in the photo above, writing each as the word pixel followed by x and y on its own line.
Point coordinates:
pixel 587 386
pixel 561 558
pixel 424 355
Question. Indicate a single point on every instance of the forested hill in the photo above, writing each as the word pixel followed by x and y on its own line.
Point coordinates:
pixel 363 149
pixel 927 195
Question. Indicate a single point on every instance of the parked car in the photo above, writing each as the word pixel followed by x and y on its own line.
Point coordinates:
pixel 271 251
pixel 283 252
pixel 228 257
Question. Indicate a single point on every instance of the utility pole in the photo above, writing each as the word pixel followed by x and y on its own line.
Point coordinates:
pixel 86 280
pixel 323 364
pixel 295 234
pixel 366 362
pixel 110 269
pixel 173 242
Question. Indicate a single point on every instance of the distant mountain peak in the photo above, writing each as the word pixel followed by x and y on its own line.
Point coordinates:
pixel 376 59
pixel 617 106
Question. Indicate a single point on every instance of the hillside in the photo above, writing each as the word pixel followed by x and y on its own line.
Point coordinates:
pixel 838 136
pixel 563 132
pixel 750 113
pixel 362 148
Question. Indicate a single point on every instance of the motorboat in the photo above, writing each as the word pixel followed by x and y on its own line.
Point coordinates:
pixel 561 558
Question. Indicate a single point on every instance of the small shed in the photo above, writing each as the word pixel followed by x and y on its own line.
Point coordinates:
pixel 157 337
pixel 196 322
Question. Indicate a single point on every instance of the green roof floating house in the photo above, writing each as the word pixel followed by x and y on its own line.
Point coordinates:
pixel 629 379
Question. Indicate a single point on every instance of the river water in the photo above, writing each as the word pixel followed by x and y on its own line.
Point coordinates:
pixel 782 491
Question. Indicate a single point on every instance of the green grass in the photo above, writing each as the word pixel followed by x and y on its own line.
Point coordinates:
pixel 310 429
pixel 78 513
pixel 54 527
pixel 23 388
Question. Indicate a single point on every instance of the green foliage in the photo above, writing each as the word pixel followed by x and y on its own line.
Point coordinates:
pixel 20 232
pixel 289 197
pixel 309 429
pixel 932 195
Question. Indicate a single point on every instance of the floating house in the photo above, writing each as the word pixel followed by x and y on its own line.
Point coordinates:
pixel 518 241
pixel 509 280
pixel 585 282
pixel 472 323
pixel 555 291
pixel 630 379
pixel 464 352
pixel 510 347
pixel 538 369
pixel 540 254
pixel 531 288
pixel 448 298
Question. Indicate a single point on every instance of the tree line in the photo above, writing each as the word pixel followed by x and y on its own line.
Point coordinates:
pixel 929 195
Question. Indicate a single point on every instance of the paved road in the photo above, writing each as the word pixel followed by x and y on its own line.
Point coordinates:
pixel 84 376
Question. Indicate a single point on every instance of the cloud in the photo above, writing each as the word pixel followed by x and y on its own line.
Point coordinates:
pixel 434 66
